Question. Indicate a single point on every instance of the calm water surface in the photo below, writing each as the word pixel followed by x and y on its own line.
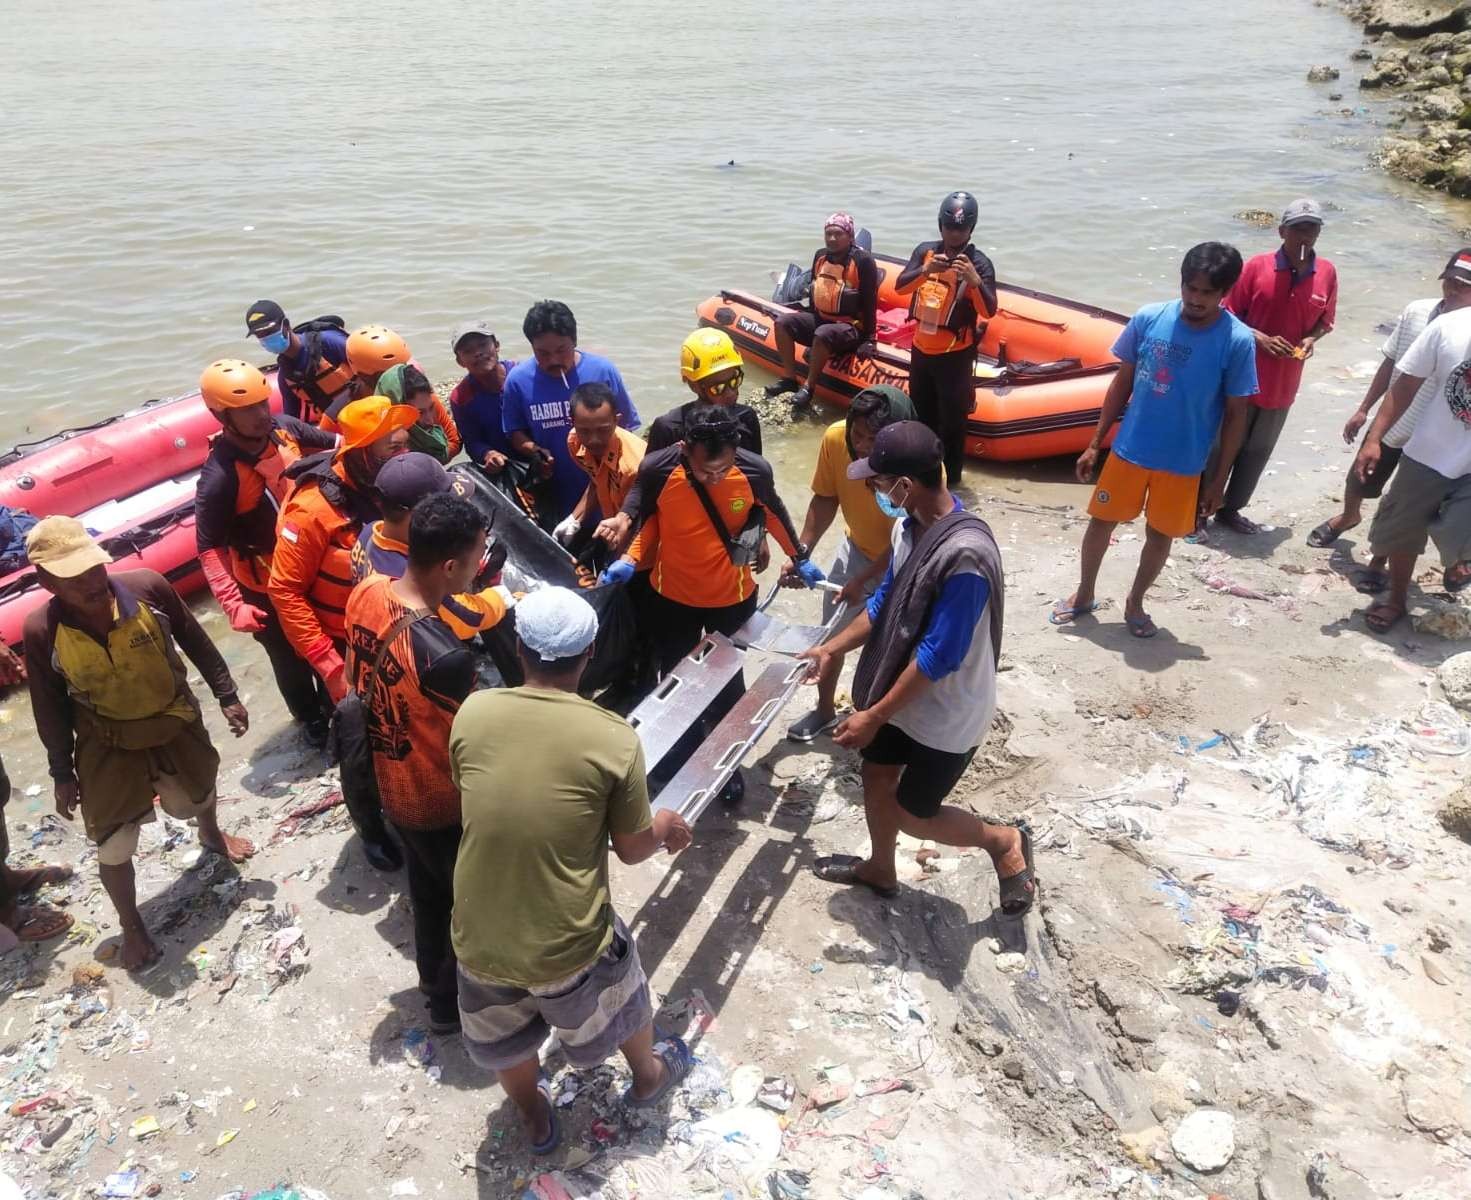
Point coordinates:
pixel 415 164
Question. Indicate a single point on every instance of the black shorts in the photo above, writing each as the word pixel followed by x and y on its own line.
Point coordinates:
pixel 1373 487
pixel 929 775
pixel 838 336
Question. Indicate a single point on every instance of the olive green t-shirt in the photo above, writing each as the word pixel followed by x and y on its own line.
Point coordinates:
pixel 545 777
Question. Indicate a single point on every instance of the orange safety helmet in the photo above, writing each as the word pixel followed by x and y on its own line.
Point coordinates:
pixel 372 349
pixel 233 383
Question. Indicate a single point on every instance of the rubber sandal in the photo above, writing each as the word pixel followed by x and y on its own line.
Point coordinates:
pixel 838 868
pixel 810 728
pixel 1457 578
pixel 1019 891
pixel 1142 626
pixel 782 386
pixel 1370 582
pixel 28 880
pixel 1236 523
pixel 1323 537
pixel 554 1133
pixel 1062 614
pixel 1199 536
pixel 677 1059
pixel 41 924
pixel 801 398
pixel 1382 625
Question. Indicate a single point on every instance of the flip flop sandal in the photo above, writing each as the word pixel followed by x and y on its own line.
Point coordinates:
pixel 1142 627
pixel 677 1059
pixel 1382 625
pixel 1019 891
pixel 1326 534
pixel 1371 583
pixel 554 1132
pixel 1236 523
pixel 810 728
pixel 39 877
pixel 1457 578
pixel 1062 614
pixel 1199 536
pixel 782 386
pixel 838 868
pixel 41 924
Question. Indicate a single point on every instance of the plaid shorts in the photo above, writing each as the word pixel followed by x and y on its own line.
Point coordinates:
pixel 593 1011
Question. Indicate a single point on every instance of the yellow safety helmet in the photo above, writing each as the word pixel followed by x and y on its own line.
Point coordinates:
pixel 232 383
pixel 706 351
pixel 372 349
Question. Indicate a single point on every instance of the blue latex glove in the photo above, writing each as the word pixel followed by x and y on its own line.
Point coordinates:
pixel 810 573
pixel 619 572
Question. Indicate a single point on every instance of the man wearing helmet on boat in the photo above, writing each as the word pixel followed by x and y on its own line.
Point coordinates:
pixel 954 288
pixel 845 292
pixel 311 571
pixel 313 371
pixel 371 351
pixel 241 488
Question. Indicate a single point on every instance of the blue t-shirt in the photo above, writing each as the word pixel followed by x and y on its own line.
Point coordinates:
pixel 1182 376
pixel 477 415
pixel 538 404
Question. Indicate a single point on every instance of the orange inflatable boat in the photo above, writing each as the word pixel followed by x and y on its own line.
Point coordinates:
pixel 1043 368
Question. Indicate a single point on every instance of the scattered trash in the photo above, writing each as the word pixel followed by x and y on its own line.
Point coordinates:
pixel 143 1127
pixel 746 1083
pixel 404 1187
pixel 122 1183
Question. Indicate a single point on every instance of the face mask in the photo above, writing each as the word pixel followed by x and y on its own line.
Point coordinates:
pixel 276 343
pixel 888 507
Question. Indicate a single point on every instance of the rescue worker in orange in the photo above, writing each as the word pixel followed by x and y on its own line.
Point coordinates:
pixel 954 289
pixel 311 572
pixel 312 368
pixel 370 350
pixel 845 296
pixel 609 454
pixel 702 509
pixel 241 488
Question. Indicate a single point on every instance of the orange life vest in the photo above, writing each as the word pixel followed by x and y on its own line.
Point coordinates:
pixel 835 290
pixel 261 489
pixel 934 309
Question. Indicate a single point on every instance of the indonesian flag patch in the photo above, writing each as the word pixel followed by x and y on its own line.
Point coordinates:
pixel 289 532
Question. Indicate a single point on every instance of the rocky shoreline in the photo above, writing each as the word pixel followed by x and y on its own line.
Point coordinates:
pixel 1418 57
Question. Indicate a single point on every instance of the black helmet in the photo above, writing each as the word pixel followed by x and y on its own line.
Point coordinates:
pixel 959 210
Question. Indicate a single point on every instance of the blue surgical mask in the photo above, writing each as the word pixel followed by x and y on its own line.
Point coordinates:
pixel 888 507
pixel 276 343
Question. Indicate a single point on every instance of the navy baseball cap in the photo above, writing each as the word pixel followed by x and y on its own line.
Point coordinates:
pixel 406 479
pixel 903 448
pixel 264 317
pixel 1459 267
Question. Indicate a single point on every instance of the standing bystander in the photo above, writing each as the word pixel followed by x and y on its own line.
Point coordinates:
pixel 547 781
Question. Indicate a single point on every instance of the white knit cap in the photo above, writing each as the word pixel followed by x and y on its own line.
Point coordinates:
pixel 555 623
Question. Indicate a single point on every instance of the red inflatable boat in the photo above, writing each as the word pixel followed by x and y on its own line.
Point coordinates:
pixel 130 479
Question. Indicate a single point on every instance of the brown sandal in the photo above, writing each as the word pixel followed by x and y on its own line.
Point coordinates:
pixel 1381 624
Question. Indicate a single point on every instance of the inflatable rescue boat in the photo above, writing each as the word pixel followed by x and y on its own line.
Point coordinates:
pixel 1040 377
pixel 130 479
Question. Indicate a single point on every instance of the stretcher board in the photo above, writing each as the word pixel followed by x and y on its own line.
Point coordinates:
pixel 701 779
pixel 673 708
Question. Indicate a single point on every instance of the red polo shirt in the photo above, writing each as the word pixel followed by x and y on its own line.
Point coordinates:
pixel 1269 298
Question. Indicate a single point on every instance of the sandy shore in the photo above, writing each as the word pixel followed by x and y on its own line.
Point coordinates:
pixel 1249 908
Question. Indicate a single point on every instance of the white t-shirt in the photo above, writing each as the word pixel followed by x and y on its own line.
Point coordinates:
pixel 1442 356
pixel 954 712
pixel 1411 324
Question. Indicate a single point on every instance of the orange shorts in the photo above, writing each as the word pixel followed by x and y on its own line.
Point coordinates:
pixel 1168 501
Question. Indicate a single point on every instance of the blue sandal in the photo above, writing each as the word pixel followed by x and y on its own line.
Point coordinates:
pixel 677 1059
